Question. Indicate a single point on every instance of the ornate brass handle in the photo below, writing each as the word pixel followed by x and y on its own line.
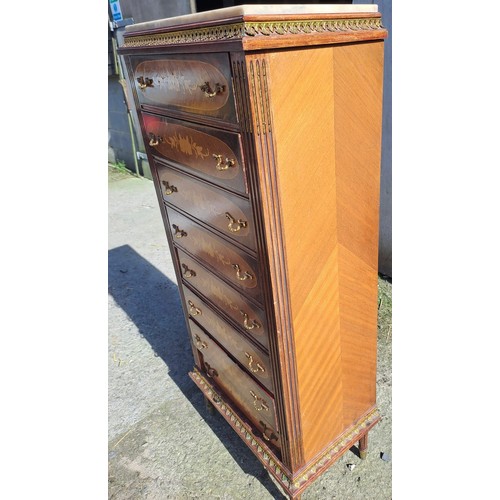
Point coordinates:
pixel 220 165
pixel 259 368
pixel 193 310
pixel 258 402
pixel 179 233
pixel 144 82
pixel 199 343
pixel 211 372
pixel 249 325
pixel 168 188
pixel 207 90
pixel 267 430
pixel 235 225
pixel 155 140
pixel 188 273
pixel 241 276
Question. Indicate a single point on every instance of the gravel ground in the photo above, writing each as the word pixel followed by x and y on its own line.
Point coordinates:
pixel 162 442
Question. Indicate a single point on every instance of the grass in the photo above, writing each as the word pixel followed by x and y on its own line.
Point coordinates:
pixel 384 307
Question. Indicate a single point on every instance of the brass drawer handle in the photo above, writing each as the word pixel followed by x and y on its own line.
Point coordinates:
pixel 267 430
pixel 168 188
pixel 179 233
pixel 259 368
pixel 144 82
pixel 154 140
pixel 211 372
pixel 249 325
pixel 199 343
pixel 220 165
pixel 235 225
pixel 258 402
pixel 242 276
pixel 193 310
pixel 207 89
pixel 188 273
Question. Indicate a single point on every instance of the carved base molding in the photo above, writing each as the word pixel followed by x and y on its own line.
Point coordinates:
pixel 293 484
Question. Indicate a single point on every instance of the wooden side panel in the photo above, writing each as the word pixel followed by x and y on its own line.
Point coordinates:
pixel 358 117
pixel 301 89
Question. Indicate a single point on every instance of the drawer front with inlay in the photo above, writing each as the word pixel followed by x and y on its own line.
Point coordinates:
pixel 236 266
pixel 198 84
pixel 247 316
pixel 228 213
pixel 254 401
pixel 212 154
pixel 253 359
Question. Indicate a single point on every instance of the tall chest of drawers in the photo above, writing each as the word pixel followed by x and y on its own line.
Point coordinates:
pixel 263 129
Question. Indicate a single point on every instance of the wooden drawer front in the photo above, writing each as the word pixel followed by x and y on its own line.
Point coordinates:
pixel 209 153
pixel 228 213
pixel 240 269
pixel 248 395
pixel 250 318
pixel 198 84
pixel 253 359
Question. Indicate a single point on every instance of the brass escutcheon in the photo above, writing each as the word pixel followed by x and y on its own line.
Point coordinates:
pixel 193 310
pixel 207 89
pixel 235 225
pixel 267 430
pixel 220 165
pixel 179 233
pixel 144 82
pixel 249 325
pixel 211 372
pixel 188 273
pixel 168 188
pixel 259 401
pixel 199 343
pixel 155 140
pixel 259 368
pixel 241 276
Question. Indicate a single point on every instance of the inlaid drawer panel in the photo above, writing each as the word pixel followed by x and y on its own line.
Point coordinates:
pixel 198 84
pixel 253 359
pixel 251 398
pixel 207 152
pixel 239 268
pixel 228 213
pixel 250 318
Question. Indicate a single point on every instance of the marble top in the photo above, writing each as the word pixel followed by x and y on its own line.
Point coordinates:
pixel 252 10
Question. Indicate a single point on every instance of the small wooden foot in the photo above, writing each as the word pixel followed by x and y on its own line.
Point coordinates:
pixel 209 406
pixel 363 447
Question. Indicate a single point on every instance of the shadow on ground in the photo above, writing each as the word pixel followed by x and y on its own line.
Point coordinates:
pixel 152 302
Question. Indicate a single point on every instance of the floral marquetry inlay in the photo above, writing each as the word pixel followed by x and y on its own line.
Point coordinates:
pixel 187 145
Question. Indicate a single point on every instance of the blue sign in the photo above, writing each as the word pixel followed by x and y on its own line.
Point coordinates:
pixel 116 10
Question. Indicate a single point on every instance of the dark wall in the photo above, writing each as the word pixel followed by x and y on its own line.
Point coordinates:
pixel 120 143
pixel 385 239
pixel 149 10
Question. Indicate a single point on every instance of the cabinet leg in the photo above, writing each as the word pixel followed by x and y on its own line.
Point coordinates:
pixel 363 447
pixel 209 406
